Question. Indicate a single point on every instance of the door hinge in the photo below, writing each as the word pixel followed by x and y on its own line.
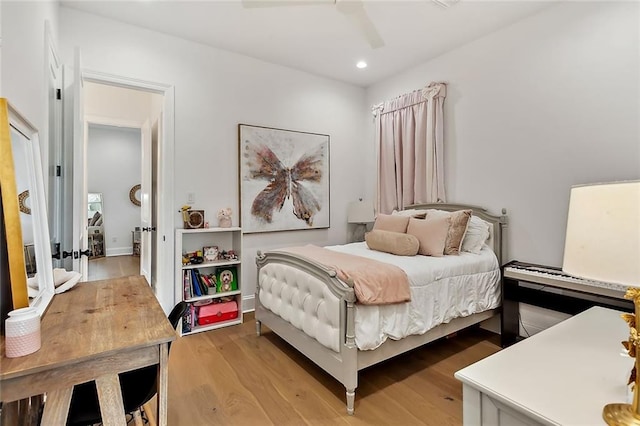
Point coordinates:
pixel 58 94
pixel 58 171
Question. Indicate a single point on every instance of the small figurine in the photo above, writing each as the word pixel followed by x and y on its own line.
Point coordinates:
pixel 224 217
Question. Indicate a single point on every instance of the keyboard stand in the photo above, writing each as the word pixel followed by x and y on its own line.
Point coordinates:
pixel 546 287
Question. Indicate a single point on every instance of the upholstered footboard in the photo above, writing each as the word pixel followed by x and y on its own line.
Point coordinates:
pixel 310 308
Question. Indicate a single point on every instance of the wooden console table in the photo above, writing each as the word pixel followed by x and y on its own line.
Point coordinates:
pixel 93 332
pixel 563 375
pixel 550 288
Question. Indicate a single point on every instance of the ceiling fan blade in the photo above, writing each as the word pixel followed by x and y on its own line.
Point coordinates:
pixel 257 4
pixel 354 11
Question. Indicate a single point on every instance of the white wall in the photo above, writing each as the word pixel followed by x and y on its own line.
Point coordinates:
pixel 22 67
pixel 120 104
pixel 114 157
pixel 544 104
pixel 532 109
pixel 214 91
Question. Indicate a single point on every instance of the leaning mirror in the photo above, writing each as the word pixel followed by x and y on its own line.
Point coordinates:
pixel 24 211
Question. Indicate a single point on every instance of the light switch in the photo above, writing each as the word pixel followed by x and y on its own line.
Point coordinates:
pixel 191 197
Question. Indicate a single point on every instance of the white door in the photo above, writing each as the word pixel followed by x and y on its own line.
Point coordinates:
pixel 53 172
pixel 146 203
pixel 79 172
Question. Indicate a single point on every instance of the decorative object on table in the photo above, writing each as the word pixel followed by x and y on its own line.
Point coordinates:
pixel 22 332
pixel 603 244
pixel 232 255
pixel 134 195
pixel 284 179
pixel 360 213
pixel 63 280
pixel 224 217
pixel 210 253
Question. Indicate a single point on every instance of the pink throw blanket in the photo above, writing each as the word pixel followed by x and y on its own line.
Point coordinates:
pixel 375 283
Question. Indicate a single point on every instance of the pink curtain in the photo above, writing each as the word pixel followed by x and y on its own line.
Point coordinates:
pixel 410 141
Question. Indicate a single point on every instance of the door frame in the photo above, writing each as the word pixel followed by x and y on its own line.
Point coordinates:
pixel 164 227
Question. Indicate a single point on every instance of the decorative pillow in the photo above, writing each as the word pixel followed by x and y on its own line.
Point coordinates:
pixel 392 242
pixel 457 229
pixel 387 222
pixel 418 214
pixel 431 234
pixel 96 216
pixel 477 234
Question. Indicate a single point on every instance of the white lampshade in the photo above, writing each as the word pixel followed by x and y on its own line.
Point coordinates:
pixel 603 233
pixel 361 212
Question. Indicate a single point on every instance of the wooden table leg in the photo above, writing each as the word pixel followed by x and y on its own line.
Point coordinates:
pixel 56 409
pixel 163 384
pixel 110 398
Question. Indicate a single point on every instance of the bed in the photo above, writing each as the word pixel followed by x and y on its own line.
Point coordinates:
pixel 305 304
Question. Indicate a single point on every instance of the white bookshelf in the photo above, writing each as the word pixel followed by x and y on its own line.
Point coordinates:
pixel 192 240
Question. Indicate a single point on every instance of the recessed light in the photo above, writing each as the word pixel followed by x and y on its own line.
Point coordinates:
pixel 361 64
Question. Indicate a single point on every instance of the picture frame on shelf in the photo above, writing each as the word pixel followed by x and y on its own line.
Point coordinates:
pixel 194 219
pixel 226 279
pixel 210 253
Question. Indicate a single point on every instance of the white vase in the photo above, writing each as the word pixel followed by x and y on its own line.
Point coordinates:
pixel 22 332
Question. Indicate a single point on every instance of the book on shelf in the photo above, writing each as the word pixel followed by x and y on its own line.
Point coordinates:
pixel 226 279
pixel 186 282
pixel 194 283
pixel 186 321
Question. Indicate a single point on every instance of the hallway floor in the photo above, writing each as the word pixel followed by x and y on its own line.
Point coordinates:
pixel 113 267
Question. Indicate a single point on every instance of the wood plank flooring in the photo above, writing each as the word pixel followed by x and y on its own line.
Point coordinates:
pixel 102 268
pixel 232 377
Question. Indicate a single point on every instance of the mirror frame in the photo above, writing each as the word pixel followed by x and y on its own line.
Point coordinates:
pixel 11 118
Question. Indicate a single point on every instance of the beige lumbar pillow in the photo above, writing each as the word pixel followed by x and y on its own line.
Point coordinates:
pixel 457 230
pixel 392 242
pixel 387 222
pixel 431 234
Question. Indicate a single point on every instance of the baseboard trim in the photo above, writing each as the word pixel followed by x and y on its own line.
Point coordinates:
pixel 249 303
pixel 120 251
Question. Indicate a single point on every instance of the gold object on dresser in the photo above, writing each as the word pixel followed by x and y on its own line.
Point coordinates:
pixel 628 414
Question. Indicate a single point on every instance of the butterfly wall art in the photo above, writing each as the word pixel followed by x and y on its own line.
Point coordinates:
pixel 284 179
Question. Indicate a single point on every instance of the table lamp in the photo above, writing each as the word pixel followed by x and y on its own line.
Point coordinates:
pixel 360 213
pixel 603 244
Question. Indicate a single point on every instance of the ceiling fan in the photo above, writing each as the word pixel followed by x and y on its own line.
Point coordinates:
pixel 353 10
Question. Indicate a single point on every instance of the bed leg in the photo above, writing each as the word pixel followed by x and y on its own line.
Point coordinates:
pixel 351 397
pixel 258 328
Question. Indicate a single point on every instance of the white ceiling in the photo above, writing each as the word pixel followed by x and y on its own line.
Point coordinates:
pixel 317 38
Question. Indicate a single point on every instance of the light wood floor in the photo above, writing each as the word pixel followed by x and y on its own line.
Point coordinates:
pixel 232 377
pixel 101 268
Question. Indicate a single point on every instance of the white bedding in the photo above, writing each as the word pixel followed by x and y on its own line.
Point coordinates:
pixel 442 288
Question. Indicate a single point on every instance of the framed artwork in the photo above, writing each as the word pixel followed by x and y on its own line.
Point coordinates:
pixel 284 179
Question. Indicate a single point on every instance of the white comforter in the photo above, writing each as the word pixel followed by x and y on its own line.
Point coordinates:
pixel 442 288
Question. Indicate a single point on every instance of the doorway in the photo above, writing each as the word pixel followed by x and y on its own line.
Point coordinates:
pixel 114 169
pixel 120 163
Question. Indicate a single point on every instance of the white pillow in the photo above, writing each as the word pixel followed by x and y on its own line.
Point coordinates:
pixel 410 213
pixel 477 234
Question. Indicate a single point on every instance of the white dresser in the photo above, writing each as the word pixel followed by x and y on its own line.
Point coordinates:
pixel 564 375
